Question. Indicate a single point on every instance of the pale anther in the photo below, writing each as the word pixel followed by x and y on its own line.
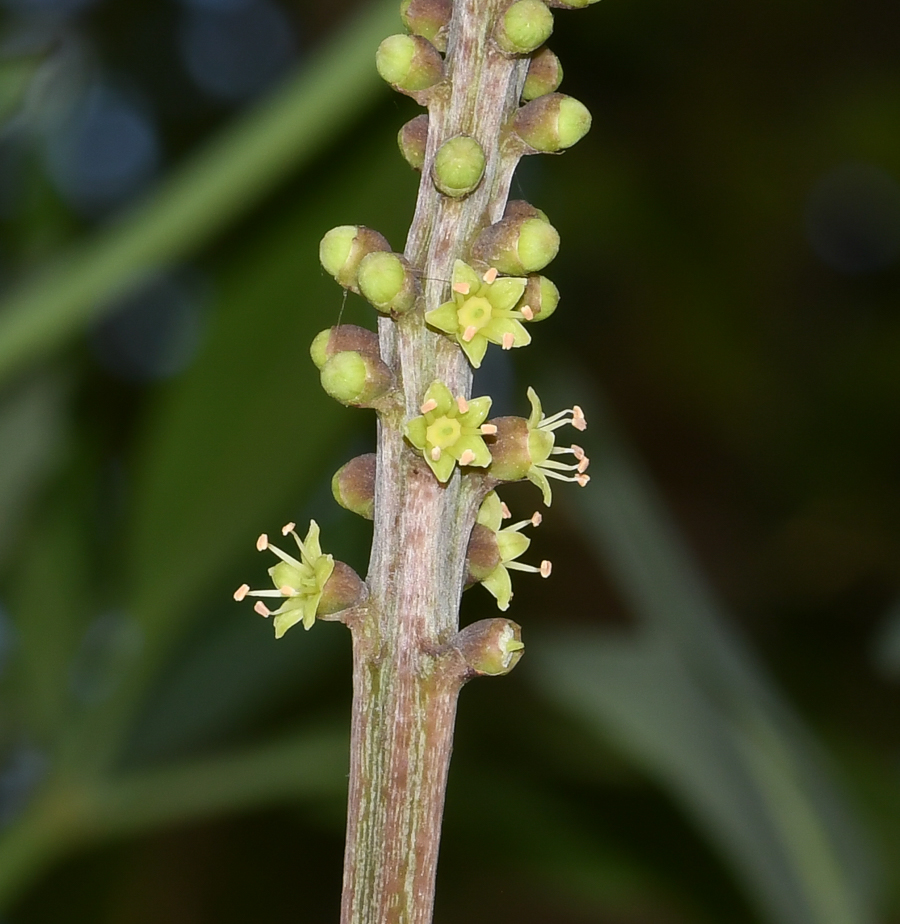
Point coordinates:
pixel 579 422
pixel 508 341
pixel 491 275
pixel 435 453
pixel 429 405
pixel 262 543
pixel 287 591
pixel 287 528
pixel 582 480
pixel 583 464
pixel 462 404
pixel 527 312
pixel 261 608
pixel 241 592
pixel 546 568
pixel 469 333
pixel 467 458
pixel 578 452
pixel 488 429
pixel 537 518
pixel 461 287
pixel 504 511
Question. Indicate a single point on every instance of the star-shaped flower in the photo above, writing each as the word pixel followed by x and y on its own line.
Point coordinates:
pixel 451 431
pixel 482 311
pixel 299 582
pixel 493 551
pixel 522 448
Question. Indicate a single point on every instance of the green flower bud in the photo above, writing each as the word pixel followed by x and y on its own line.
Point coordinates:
pixel 412 141
pixel 490 647
pixel 539 300
pixel 354 378
pixel 342 590
pixel 526 25
pixel 517 246
pixel 552 123
pixel 544 75
pixel 344 337
pixel 342 249
pixel 353 485
pixel 428 18
pixel 387 281
pixel 409 63
pixel 458 166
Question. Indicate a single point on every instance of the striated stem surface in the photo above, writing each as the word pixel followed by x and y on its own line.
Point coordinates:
pixel 404 687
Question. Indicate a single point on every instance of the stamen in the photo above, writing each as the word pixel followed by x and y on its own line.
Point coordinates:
pixel 491 275
pixel 285 557
pixel 287 591
pixel 488 429
pixel 577 451
pixel 462 404
pixel 537 519
pixel 287 528
pixel 579 421
pixel 583 464
pixel 261 608
pixel 428 406
pixel 546 568
pixel 504 511
pixel 262 543
pixel 467 458
pixel 527 312
pixel 469 333
pixel 508 341
pixel 435 453
pixel 241 592
pixel 521 566
pixel 583 480
pixel 461 287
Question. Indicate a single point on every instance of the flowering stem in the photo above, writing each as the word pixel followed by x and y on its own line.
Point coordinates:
pixel 405 680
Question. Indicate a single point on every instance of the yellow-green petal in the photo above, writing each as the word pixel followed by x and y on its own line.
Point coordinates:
pixel 537 412
pixel 474 349
pixel 444 318
pixel 511 544
pixel 537 477
pixel 463 273
pixel 505 292
pixel 443 468
pixel 442 396
pixel 499 584
pixel 476 445
pixel 415 432
pixel 477 413
pixel 490 514
pixel 498 328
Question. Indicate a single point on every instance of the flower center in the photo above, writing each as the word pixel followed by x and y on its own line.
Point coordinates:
pixel 474 312
pixel 443 433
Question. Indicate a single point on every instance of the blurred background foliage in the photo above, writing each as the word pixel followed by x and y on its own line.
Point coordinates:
pixel 705 727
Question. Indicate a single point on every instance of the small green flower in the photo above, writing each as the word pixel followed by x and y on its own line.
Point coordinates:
pixel 482 310
pixel 300 582
pixel 450 430
pixel 510 545
pixel 522 448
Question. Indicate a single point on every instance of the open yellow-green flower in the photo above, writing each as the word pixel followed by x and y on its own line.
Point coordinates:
pixel 493 551
pixel 450 430
pixel 482 311
pixel 299 582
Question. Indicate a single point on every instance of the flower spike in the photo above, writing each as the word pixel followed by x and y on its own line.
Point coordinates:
pixel 447 435
pixel 483 310
pixel 523 448
pixel 493 551
pixel 315 584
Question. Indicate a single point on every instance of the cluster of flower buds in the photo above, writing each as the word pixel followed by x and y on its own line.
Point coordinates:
pixel 496 290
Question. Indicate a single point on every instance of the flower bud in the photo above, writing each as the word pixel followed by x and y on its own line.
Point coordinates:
pixel 490 647
pixel 510 456
pixel 353 485
pixel 342 590
pixel 519 208
pixel 482 555
pixel 342 249
pixel 428 18
pixel 409 63
pixel 458 166
pixel 517 247
pixel 544 75
pixel 354 378
pixel 412 141
pixel 552 123
pixel 525 25
pixel 344 337
pixel 387 281
pixel 540 298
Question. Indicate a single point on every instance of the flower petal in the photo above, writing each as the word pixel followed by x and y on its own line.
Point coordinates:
pixel 537 412
pixel 444 318
pixel 536 476
pixel 511 544
pixel 490 514
pixel 284 621
pixel 464 274
pixel 499 584
pixel 311 542
pixel 472 442
pixel 443 468
pixel 497 328
pixel 441 395
pixel 474 349
pixel 415 432
pixel 506 292
pixel 479 408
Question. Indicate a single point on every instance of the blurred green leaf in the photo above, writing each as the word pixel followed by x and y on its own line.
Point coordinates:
pixel 215 186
